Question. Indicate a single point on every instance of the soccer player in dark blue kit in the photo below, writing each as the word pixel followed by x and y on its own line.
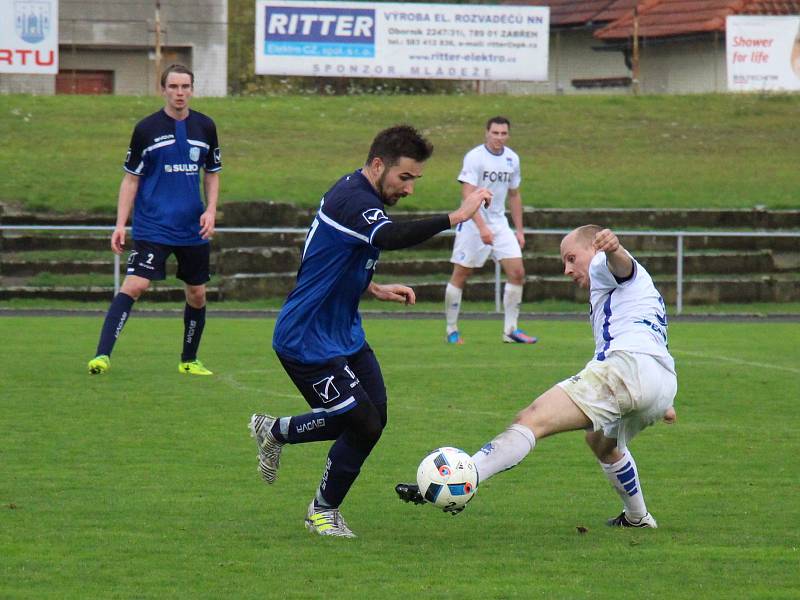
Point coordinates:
pixel 318 336
pixel 162 186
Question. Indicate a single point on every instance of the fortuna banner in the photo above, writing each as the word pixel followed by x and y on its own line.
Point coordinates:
pixel 29 36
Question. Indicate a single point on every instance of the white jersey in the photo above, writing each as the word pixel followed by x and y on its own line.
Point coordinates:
pixel 627 316
pixel 496 172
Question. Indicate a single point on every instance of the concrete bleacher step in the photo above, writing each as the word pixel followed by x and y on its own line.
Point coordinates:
pixel 16 267
pixel 759 261
pixel 549 243
pixel 696 290
pixel 277 260
pixel 96 293
pixel 718 268
pixel 17 242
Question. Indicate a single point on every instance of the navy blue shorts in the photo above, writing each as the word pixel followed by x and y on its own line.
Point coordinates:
pixel 340 384
pixel 149 260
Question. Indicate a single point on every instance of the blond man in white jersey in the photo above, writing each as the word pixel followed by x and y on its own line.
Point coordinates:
pixel 493 166
pixel 629 384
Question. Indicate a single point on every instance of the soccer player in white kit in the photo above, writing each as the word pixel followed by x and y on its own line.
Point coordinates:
pixel 493 166
pixel 629 384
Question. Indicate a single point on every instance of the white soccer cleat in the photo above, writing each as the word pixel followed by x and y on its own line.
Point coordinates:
pixel 269 449
pixel 623 520
pixel 327 521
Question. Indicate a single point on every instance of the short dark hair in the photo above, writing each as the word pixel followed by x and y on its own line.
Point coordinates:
pixel 499 120
pixel 399 141
pixel 176 68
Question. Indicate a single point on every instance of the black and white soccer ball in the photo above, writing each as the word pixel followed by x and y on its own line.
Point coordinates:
pixel 447 478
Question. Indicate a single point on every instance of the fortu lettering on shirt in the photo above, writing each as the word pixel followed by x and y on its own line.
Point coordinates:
pixel 493 176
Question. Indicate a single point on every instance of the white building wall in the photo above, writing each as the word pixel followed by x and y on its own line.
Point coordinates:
pixel 688 67
pixel 11 83
pixel 120 36
pixel 571 57
pixel 133 70
pixel 673 67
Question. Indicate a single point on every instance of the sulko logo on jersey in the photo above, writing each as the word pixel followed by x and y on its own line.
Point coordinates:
pixel 373 215
pixel 188 169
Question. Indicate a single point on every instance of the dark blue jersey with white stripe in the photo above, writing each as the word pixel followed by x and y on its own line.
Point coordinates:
pixel 168 155
pixel 320 318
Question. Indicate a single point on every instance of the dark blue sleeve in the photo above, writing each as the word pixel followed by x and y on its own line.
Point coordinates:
pixel 359 216
pixel 134 160
pixel 214 157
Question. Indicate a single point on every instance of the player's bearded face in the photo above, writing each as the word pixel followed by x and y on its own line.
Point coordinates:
pixel 397 181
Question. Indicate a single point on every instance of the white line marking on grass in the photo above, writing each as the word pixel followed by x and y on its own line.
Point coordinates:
pixel 430 365
pixel 737 361
pixel 231 381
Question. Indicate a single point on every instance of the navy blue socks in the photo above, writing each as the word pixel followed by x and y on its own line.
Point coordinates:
pixel 194 320
pixel 116 317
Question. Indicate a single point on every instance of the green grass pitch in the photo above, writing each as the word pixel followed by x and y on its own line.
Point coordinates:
pixel 142 483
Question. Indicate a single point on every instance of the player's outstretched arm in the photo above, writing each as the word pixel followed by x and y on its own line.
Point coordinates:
pixel 394 236
pixel 393 292
pixel 619 261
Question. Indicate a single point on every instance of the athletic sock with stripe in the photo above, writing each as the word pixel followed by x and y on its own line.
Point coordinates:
pixel 624 478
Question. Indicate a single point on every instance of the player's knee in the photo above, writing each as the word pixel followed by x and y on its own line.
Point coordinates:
pixel 196 296
pixel 383 414
pixel 605 449
pixel 516 276
pixel 525 416
pixel 134 286
pixel 363 433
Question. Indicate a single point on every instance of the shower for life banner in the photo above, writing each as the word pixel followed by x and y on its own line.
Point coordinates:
pixel 763 53
pixel 402 40
pixel 29 36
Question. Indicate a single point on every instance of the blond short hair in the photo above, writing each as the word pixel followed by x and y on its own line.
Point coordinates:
pixel 585 234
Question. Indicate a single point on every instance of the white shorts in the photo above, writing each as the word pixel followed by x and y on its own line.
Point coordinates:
pixel 469 251
pixel 623 394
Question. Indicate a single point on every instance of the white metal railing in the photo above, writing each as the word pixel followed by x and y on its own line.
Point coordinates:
pixel 678 235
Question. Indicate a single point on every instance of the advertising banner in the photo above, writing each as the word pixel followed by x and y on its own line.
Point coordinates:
pixel 29 36
pixel 402 40
pixel 763 53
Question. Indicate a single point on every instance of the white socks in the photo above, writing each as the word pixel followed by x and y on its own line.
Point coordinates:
pixel 624 478
pixel 512 298
pixel 504 451
pixel 452 306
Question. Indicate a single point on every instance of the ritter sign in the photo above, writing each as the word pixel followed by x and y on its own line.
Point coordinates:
pixel 402 40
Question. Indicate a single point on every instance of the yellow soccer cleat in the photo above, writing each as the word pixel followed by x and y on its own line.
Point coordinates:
pixel 99 364
pixel 193 367
pixel 327 521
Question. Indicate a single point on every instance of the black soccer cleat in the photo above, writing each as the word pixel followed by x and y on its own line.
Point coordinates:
pixel 409 492
pixel 622 520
